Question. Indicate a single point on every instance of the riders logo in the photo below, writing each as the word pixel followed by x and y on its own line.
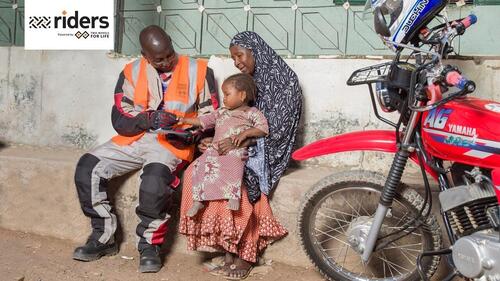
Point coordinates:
pixel 69 25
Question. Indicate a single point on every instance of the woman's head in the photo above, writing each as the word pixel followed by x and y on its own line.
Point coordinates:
pixel 245 48
pixel 243 59
pixel 239 89
pixel 252 55
pixel 272 76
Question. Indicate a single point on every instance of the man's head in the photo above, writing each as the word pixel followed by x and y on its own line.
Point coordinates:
pixel 157 48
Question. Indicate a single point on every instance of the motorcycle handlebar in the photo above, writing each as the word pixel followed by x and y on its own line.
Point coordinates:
pixel 469 20
pixel 454 78
pixel 465 23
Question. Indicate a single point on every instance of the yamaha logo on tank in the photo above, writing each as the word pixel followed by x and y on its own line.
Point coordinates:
pixel 69 24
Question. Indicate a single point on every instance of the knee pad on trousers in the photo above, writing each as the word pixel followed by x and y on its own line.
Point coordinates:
pixel 158 170
pixel 155 194
pixel 83 177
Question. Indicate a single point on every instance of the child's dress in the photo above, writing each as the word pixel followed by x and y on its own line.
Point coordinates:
pixel 215 176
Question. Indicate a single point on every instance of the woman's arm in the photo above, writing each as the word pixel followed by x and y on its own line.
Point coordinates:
pixel 249 133
pixel 226 145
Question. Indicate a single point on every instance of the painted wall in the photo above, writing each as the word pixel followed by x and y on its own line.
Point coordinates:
pixel 64 98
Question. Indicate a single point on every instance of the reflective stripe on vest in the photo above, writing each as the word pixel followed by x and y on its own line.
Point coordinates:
pixel 180 97
pixel 179 104
pixel 134 76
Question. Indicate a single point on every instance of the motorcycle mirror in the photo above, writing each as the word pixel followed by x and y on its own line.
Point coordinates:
pixel 380 23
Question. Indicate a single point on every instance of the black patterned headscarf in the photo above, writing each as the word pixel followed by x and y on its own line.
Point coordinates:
pixel 279 97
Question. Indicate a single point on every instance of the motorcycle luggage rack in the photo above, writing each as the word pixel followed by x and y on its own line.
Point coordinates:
pixel 370 74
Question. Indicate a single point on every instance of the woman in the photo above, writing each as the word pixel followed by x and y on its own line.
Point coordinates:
pixel 245 233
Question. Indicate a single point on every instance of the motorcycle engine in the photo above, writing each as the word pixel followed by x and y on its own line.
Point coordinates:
pixel 470 206
pixel 473 212
pixel 477 256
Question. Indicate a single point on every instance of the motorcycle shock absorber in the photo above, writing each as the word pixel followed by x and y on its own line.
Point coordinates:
pixel 391 185
pixel 394 177
pixel 386 198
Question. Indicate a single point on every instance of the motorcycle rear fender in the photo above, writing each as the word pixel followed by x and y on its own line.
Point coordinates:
pixel 374 140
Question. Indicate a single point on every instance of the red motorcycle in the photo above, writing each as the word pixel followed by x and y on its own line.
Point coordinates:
pixel 361 225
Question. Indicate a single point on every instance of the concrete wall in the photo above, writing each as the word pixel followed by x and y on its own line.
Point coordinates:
pixel 63 98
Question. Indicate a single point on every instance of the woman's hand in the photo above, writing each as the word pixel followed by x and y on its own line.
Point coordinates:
pixel 204 144
pixel 239 139
pixel 225 145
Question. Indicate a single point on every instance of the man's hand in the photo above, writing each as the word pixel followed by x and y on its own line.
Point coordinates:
pixel 193 137
pixel 204 144
pixel 160 119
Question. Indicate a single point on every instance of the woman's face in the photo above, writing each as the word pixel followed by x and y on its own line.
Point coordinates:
pixel 243 59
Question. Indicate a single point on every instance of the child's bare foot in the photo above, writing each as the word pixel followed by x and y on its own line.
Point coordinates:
pixel 239 270
pixel 197 206
pixel 233 204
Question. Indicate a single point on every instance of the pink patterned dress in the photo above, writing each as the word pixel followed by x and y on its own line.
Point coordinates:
pixel 215 176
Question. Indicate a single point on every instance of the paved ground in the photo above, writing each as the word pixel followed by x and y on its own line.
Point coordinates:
pixel 28 257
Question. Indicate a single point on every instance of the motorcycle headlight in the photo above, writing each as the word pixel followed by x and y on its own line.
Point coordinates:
pixel 388 98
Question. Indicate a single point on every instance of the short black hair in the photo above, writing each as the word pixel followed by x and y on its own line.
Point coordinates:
pixel 153 37
pixel 243 82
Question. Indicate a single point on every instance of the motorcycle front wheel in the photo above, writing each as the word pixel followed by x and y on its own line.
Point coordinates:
pixel 343 203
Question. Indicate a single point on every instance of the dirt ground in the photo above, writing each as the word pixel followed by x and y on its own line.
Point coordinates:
pixel 28 257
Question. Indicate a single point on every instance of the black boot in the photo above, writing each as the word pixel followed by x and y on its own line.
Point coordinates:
pixel 93 250
pixel 150 259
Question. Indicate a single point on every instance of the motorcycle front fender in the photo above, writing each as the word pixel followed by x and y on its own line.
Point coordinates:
pixel 373 140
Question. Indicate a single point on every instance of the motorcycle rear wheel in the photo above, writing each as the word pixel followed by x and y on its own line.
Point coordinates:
pixel 332 206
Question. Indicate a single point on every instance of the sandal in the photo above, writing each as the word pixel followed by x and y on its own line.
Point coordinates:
pixel 234 268
pixel 221 270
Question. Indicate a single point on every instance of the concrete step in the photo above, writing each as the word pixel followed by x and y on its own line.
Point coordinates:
pixel 38 196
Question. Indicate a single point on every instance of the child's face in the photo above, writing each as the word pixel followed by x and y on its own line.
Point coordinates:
pixel 232 97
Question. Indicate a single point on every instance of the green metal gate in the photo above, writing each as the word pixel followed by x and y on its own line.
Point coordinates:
pixel 291 27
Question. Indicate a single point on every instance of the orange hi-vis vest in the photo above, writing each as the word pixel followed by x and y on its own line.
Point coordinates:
pixel 180 98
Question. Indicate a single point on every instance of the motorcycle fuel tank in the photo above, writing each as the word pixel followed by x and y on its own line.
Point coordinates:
pixel 465 130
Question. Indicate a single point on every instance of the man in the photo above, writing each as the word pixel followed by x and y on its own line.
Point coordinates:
pixel 150 94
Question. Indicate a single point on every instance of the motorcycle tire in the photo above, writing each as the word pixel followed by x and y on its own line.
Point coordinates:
pixel 370 184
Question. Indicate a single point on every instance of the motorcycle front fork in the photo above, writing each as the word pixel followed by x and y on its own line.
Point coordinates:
pixel 390 186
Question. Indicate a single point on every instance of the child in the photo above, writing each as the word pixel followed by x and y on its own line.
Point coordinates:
pixel 215 176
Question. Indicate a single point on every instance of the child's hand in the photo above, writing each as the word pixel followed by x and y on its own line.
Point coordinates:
pixel 239 139
pixel 204 144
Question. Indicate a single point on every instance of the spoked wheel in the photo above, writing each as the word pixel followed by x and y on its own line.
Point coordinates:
pixel 336 217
